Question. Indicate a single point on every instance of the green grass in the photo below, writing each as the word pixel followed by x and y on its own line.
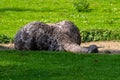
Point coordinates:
pixel 14 14
pixel 43 65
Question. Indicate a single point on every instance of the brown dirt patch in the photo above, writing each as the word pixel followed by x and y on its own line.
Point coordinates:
pixel 9 46
pixel 105 46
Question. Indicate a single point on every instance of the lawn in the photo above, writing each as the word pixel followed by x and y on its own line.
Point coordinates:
pixel 103 14
pixel 43 65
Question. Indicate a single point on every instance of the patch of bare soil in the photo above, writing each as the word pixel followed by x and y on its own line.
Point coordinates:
pixel 7 46
pixel 104 46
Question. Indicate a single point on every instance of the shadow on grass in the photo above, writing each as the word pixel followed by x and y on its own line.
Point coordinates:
pixel 14 72
pixel 15 9
pixel 31 10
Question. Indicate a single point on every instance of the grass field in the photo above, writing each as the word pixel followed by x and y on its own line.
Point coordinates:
pixel 103 14
pixel 44 65
pixel 35 65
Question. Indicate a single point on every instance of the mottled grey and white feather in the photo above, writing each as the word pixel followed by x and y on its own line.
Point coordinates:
pixel 62 36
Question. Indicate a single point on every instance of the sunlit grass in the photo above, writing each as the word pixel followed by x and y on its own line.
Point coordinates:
pixel 16 13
